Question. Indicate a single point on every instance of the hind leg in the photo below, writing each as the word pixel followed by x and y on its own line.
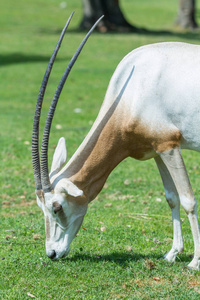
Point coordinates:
pixel 174 203
pixel 173 161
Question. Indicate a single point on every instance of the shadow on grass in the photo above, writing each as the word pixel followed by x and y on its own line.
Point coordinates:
pixel 182 34
pixel 14 58
pixel 20 58
pixel 122 258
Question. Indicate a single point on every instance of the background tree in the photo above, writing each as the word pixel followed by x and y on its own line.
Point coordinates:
pixel 186 14
pixel 113 16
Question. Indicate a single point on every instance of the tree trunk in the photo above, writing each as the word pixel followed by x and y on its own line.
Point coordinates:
pixel 186 14
pixel 113 20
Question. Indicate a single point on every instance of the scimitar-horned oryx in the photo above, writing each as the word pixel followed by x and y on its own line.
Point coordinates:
pixel 151 110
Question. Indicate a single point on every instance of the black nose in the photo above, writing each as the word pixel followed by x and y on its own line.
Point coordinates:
pixel 51 254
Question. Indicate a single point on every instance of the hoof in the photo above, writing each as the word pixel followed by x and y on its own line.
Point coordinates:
pixel 170 256
pixel 194 265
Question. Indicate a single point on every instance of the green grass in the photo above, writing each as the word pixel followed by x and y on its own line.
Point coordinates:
pixel 122 262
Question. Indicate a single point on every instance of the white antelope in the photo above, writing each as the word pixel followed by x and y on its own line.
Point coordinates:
pixel 151 110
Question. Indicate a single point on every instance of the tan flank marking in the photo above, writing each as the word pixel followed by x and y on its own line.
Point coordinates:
pixel 145 141
pixel 115 141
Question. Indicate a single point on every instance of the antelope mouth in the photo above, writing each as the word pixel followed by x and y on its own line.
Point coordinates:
pixel 53 255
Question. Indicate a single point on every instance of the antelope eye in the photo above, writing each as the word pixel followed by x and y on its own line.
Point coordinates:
pixel 57 207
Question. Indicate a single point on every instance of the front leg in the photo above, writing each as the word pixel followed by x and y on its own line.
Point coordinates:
pixel 195 263
pixel 177 246
pixel 173 161
pixel 174 203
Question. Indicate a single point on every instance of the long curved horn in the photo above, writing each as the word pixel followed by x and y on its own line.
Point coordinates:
pixel 35 134
pixel 46 185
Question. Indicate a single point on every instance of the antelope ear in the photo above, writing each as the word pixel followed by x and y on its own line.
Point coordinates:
pixel 70 188
pixel 59 157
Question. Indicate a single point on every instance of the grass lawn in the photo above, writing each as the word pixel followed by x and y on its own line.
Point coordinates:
pixel 128 228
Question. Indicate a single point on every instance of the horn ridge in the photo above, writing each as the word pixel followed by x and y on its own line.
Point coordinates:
pixel 35 133
pixel 46 185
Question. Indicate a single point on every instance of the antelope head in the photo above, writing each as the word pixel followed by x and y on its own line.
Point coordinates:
pixel 63 203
